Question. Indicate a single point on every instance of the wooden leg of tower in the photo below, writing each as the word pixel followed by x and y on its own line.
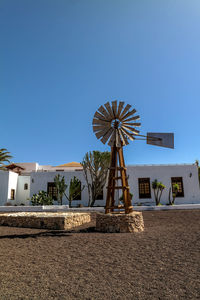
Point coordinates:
pixel 126 194
pixel 111 182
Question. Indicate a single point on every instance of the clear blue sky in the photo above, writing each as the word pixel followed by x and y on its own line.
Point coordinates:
pixel 60 60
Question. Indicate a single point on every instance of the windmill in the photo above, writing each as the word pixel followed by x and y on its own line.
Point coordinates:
pixel 116 124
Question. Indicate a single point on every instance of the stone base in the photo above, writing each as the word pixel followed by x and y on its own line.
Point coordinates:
pixel 132 222
pixel 59 221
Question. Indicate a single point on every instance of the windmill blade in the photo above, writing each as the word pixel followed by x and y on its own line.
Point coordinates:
pixel 128 114
pixel 98 128
pixel 127 107
pixel 114 107
pixel 123 138
pixel 129 135
pixel 101 133
pixel 106 136
pixel 99 116
pixel 132 124
pixel 118 139
pixel 101 122
pixel 133 119
pixel 104 112
pixel 120 107
pixel 132 129
pixel 112 140
pixel 109 109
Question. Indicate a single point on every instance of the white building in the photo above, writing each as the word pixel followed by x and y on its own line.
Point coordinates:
pixel 22 180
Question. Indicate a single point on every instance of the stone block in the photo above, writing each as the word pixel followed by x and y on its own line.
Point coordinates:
pixel 121 222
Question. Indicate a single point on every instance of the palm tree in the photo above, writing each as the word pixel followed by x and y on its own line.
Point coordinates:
pixel 4 157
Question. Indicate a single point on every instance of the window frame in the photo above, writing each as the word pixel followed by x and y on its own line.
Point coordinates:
pixel 178 180
pixel 54 192
pixel 25 186
pixel 100 196
pixel 144 180
pixel 12 194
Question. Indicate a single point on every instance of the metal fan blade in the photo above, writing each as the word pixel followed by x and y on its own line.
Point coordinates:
pixel 106 136
pixel 132 124
pixel 114 107
pixel 120 107
pixel 123 138
pixel 129 135
pixel 99 116
pixel 112 138
pixel 109 109
pixel 128 114
pixel 127 107
pixel 132 129
pixel 98 128
pixel 101 122
pixel 132 119
pixel 101 133
pixel 104 112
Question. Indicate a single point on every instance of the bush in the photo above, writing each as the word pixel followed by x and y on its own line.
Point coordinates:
pixel 122 197
pixel 42 198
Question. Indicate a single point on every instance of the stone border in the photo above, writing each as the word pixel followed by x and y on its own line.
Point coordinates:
pixel 55 221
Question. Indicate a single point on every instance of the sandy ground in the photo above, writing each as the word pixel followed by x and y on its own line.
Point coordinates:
pixel 163 262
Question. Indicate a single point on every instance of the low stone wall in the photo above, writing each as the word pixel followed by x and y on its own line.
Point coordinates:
pixel 59 221
pixel 132 222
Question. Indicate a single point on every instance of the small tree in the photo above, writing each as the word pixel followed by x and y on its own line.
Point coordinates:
pixel 158 188
pixel 95 167
pixel 42 198
pixel 61 187
pixel 75 190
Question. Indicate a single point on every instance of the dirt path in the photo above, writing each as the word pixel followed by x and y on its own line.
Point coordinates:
pixel 161 263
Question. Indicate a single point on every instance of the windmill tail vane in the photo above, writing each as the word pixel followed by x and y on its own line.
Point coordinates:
pixel 116 124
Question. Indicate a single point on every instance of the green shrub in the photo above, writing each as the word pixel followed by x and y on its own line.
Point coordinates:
pixel 122 197
pixel 42 198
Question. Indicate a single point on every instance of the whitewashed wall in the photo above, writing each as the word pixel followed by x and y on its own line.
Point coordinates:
pixel 12 184
pixel 164 173
pixel 39 182
pixel 4 175
pixel 22 194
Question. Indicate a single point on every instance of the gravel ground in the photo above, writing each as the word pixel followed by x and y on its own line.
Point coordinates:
pixel 163 262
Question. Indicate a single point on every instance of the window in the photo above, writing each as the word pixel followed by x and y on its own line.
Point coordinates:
pixel 52 190
pixel 12 194
pixel 77 193
pixel 100 196
pixel 179 181
pixel 144 188
pixel 25 186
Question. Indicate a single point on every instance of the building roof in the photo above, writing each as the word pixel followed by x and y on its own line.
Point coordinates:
pixel 72 164
pixel 15 168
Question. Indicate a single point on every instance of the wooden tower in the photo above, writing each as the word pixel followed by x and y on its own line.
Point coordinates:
pixel 113 124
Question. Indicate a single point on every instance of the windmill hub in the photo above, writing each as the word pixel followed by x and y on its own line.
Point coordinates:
pixel 115 124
